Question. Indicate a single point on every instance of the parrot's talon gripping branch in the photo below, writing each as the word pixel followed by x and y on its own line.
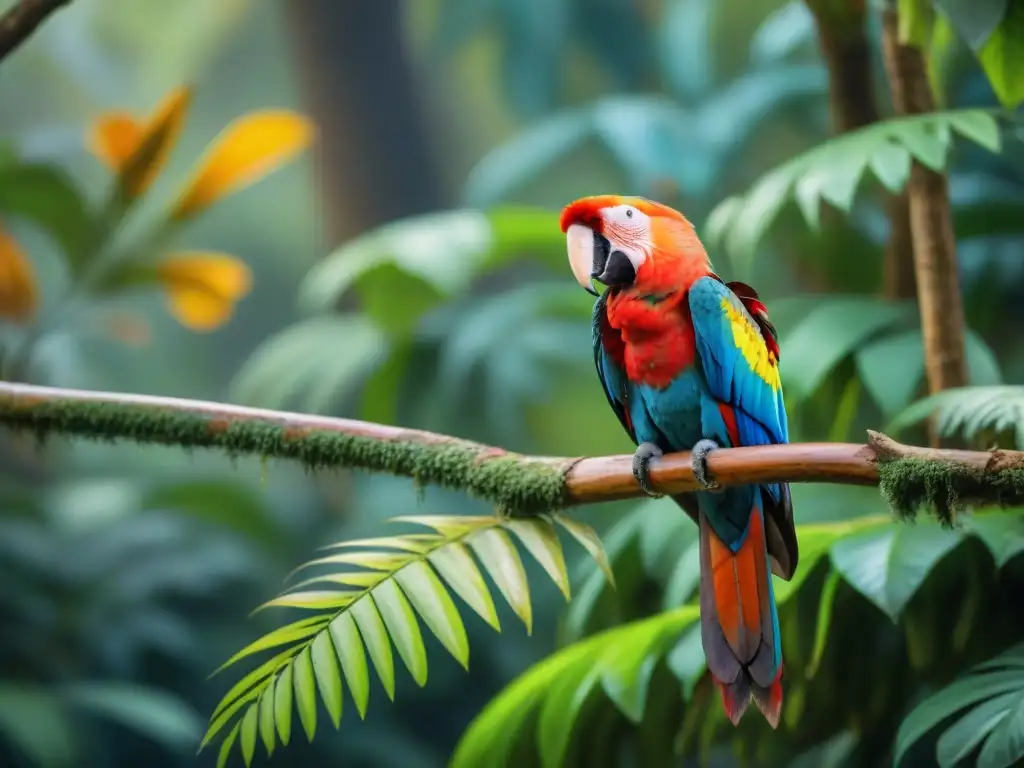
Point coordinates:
pixel 699 460
pixel 642 457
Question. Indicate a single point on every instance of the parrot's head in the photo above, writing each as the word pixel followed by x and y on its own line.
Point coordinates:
pixel 622 241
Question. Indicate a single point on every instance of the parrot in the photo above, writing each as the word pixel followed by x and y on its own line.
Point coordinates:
pixel 690 362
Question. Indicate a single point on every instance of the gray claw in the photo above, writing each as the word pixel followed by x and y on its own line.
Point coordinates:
pixel 700 464
pixel 641 471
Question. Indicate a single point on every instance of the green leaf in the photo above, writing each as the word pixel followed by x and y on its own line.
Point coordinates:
pixel 824 622
pixel 541 540
pixel 225 748
pixel 1002 58
pixel 248 732
pixel 46 196
pixel 975 692
pixel 328 675
pixel 407 267
pixel 305 691
pixel 627 672
pixel 426 592
pixel 404 629
pixel 499 556
pixel 313 600
pixel 264 670
pixel 266 707
pixel 974 20
pixel 456 565
pixel 832 170
pixel 377 643
pixel 560 709
pixel 828 334
pixel 589 539
pixel 349 647
pixel 889 564
pixel 969 410
pixel 1001 531
pixel 326 358
pixel 283 704
pixel 290 633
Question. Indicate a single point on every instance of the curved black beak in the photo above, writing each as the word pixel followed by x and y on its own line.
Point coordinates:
pixel 611 268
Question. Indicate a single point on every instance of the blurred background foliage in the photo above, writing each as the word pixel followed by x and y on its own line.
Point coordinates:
pixel 408 269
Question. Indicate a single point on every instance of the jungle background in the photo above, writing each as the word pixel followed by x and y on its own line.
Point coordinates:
pixel 461 127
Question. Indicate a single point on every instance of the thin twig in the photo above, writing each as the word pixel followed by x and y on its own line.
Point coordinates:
pixel 22 20
pixel 910 475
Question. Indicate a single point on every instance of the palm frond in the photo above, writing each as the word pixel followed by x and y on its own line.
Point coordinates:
pixel 832 171
pixel 970 411
pixel 370 609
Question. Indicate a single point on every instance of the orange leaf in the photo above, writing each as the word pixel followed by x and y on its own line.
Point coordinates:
pixel 18 292
pixel 158 135
pixel 203 288
pixel 114 138
pixel 246 151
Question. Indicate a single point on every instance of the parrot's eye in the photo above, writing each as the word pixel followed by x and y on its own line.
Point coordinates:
pixel 629 213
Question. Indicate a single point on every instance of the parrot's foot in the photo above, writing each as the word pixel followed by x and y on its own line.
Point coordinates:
pixel 700 464
pixel 641 470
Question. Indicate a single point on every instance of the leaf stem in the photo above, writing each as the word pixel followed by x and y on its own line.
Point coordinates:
pixel 22 19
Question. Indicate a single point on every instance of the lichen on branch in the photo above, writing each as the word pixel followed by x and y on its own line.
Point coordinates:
pixel 911 478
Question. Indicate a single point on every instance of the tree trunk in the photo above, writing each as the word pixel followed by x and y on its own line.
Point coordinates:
pixel 376 162
pixel 842 36
pixel 931 223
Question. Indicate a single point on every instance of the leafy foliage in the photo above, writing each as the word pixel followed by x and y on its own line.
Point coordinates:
pixel 986 704
pixel 375 608
pixel 979 413
pixel 833 170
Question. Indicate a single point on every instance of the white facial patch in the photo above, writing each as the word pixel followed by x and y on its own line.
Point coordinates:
pixel 580 244
pixel 628 229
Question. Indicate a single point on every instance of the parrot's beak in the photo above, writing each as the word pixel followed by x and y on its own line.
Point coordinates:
pixel 581 242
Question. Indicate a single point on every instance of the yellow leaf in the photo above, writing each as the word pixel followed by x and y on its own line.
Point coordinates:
pixel 114 138
pixel 18 293
pixel 246 151
pixel 203 288
pixel 158 136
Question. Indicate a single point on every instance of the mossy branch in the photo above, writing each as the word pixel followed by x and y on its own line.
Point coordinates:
pixel 22 19
pixel 911 478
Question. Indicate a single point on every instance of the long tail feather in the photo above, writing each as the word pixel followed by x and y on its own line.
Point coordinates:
pixel 739 623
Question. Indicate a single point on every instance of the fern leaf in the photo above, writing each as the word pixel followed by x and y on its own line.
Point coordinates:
pixel 833 170
pixel 969 411
pixel 372 606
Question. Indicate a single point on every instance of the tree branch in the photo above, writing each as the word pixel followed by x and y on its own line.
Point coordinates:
pixel 17 25
pixel 911 478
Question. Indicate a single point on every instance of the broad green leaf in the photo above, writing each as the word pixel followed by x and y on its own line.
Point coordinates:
pixel 1005 745
pixel 404 629
pixel 456 565
pixel 1002 57
pixel 377 643
pixel 561 706
pixel 541 540
pixel 47 196
pixel 499 556
pixel 957 696
pixel 626 672
pixel 963 737
pixel 831 332
pixel 378 561
pixel 687 661
pixel 450 526
pixel 589 539
pixel 326 358
pixel 305 691
pixel 283 704
pixel 426 592
pixel 290 633
pixel 217 723
pixel 267 733
pixel 824 622
pixel 889 564
pixel 361 579
pixel 248 734
pixel 1001 531
pixel 349 646
pixel 328 675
